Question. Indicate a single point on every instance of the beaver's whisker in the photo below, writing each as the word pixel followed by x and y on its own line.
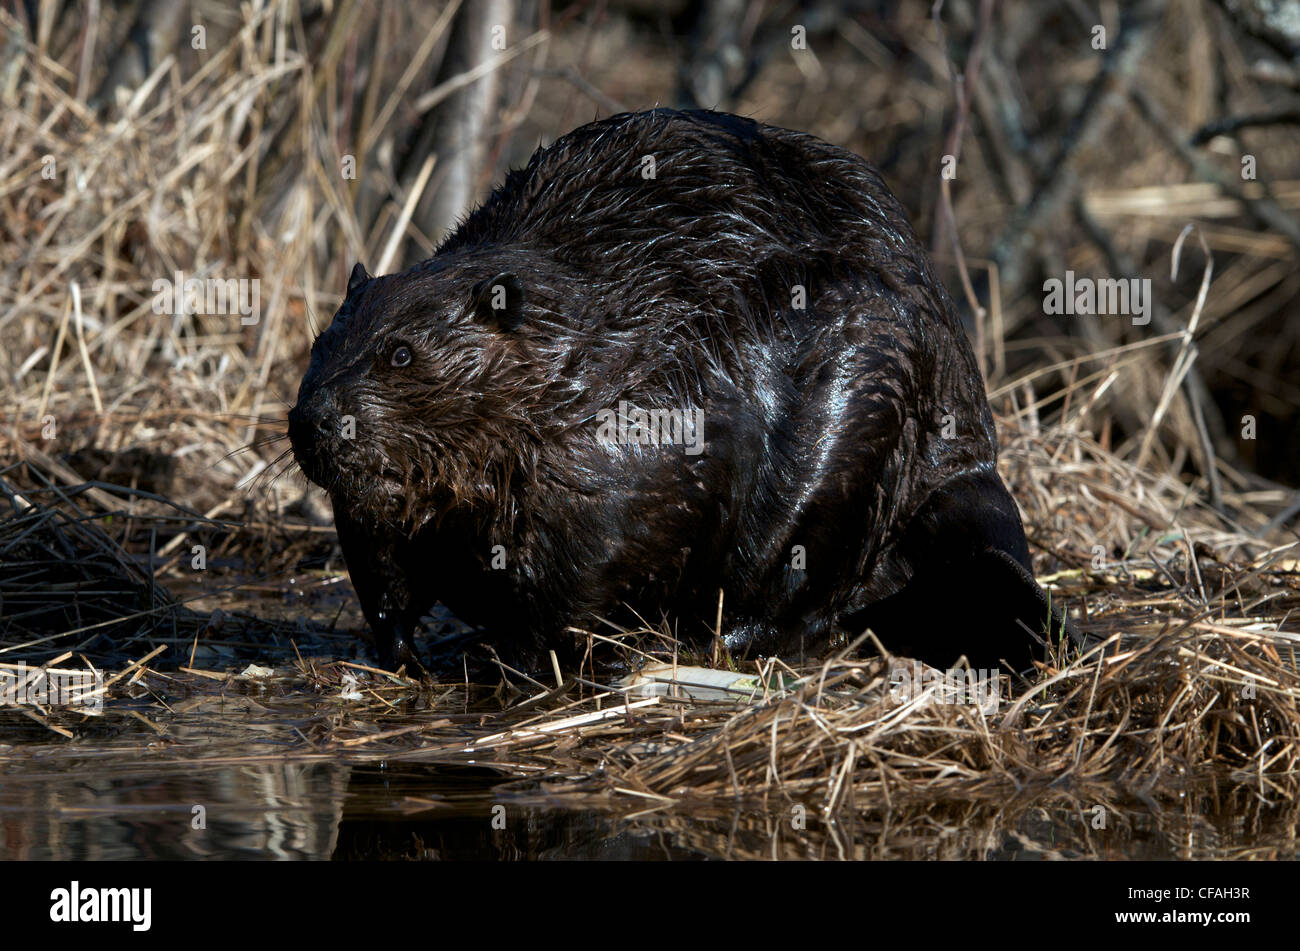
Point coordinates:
pixel 259 483
pixel 257 444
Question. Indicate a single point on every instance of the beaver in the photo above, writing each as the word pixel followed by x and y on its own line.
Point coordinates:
pixel 680 356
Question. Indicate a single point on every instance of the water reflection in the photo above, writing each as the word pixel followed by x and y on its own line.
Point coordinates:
pixel 285 811
pixel 327 809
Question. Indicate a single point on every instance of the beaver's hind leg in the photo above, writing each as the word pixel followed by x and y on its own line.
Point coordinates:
pixel 970 590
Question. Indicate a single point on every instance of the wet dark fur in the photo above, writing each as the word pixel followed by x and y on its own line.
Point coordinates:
pixel 824 427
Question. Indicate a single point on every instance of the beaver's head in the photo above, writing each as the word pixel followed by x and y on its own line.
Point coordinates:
pixel 427 391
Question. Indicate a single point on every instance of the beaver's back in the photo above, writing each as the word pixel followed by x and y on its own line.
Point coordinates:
pixel 744 247
pixel 749 202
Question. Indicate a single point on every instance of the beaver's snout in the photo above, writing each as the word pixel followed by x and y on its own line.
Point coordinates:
pixel 316 434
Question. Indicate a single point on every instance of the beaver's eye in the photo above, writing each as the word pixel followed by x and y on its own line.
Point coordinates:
pixel 401 356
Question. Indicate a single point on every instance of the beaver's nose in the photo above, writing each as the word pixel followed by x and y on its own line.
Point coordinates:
pixel 314 422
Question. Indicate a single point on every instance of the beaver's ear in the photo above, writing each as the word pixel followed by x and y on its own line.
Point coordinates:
pixel 359 277
pixel 499 302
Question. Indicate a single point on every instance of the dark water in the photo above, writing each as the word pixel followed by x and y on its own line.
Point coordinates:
pixel 64 807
